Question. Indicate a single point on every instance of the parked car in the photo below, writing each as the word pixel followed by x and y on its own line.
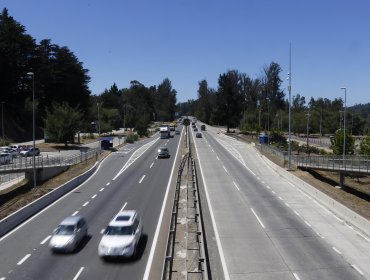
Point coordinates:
pixel 69 234
pixel 13 152
pixel 30 152
pixel 5 158
pixel 163 152
pixel 198 135
pixel 122 235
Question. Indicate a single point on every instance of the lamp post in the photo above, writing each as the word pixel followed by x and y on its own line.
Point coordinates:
pixel 344 123
pixel 98 104
pixel 33 126
pixel 308 125
pixel 268 120
pixel 290 102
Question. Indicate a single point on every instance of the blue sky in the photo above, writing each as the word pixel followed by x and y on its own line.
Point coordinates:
pixel 190 40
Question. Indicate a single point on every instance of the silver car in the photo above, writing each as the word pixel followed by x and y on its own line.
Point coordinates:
pixel 69 233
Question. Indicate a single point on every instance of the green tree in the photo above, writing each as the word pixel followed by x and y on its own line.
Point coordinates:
pixel 62 122
pixel 204 103
pixel 365 146
pixel 337 143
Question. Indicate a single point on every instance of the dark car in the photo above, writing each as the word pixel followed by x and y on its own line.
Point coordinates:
pixel 195 129
pixel 163 152
pixel 198 135
pixel 203 127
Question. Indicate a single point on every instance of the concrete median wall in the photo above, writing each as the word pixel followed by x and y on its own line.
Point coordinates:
pixel 28 211
pixel 337 208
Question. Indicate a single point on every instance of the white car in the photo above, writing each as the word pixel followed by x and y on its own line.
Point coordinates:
pixel 69 233
pixel 122 236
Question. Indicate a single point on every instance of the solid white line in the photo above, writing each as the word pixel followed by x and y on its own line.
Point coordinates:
pixel 45 240
pixel 156 234
pixel 236 186
pixel 78 273
pixel 336 250
pixel 296 276
pixel 123 207
pixel 217 236
pixel 87 202
pixel 95 195
pixel 102 189
pixel 142 178
pixel 24 259
pixel 107 184
pixel 75 213
pixel 258 219
pixel 151 165
pixel 358 270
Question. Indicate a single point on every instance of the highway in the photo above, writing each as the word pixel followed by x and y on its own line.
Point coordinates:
pixel 131 178
pixel 264 227
pixel 268 229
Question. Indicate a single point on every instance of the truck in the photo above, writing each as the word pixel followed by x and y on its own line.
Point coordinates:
pixel 164 132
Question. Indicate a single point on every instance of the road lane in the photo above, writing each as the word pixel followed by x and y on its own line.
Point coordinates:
pixel 105 198
pixel 270 241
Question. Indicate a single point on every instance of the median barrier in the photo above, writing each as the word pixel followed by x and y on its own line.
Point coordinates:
pixel 13 220
pixel 337 208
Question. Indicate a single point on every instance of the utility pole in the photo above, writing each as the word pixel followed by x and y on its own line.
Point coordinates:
pixel 308 125
pixel 290 105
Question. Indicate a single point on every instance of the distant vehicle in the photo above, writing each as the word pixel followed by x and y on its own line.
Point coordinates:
pixel 69 233
pixel 122 236
pixel 163 152
pixel 203 127
pixel 30 152
pixel 198 135
pixel 164 132
pixel 195 129
pixel 5 158
pixel 13 152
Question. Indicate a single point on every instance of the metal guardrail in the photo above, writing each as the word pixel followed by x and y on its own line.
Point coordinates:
pixel 167 270
pixel 20 164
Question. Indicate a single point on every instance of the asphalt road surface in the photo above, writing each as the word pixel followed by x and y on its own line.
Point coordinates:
pixel 131 178
pixel 265 227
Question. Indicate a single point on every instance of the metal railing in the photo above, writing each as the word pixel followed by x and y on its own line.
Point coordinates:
pixel 167 270
pixel 357 164
pixel 24 163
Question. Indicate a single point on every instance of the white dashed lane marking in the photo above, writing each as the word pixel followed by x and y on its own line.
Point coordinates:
pixel 24 259
pixel 45 240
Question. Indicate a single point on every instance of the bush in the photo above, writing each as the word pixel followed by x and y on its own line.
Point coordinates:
pixel 131 138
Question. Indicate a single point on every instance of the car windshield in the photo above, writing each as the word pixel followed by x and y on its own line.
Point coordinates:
pixel 163 150
pixel 65 230
pixel 116 230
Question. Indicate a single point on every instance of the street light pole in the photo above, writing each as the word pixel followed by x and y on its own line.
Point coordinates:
pixel 308 124
pixel 33 126
pixel 344 123
pixel 98 104
pixel 290 102
pixel 268 120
